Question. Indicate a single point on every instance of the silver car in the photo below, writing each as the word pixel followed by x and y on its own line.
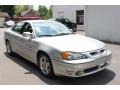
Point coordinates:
pixel 55 49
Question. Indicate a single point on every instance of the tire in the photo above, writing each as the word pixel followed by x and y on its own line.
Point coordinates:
pixel 74 29
pixel 45 65
pixel 8 48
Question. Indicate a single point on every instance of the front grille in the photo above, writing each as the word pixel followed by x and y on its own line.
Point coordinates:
pixel 101 51
pixel 103 65
pixel 93 53
pixel 91 69
pixel 94 68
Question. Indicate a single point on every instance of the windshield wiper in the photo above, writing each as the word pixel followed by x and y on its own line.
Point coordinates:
pixel 63 34
pixel 46 35
pixel 56 35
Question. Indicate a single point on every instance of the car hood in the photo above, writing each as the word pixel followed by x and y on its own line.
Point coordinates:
pixel 72 42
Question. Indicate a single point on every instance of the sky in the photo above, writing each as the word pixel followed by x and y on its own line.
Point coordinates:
pixel 36 6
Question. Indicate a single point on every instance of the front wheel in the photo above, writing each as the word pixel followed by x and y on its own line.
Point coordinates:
pixel 45 65
pixel 8 47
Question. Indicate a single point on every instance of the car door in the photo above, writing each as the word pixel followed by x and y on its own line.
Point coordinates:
pixel 28 49
pixel 15 37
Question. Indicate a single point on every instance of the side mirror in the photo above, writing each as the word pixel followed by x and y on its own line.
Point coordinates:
pixel 28 34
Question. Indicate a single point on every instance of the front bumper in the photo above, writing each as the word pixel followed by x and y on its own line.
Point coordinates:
pixel 78 68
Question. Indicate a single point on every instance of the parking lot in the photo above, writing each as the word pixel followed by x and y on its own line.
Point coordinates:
pixel 17 70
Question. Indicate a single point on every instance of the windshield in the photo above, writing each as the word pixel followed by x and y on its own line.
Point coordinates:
pixel 50 29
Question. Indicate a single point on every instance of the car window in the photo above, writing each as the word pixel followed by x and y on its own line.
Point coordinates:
pixel 58 20
pixel 27 28
pixel 67 20
pixel 18 27
pixel 63 20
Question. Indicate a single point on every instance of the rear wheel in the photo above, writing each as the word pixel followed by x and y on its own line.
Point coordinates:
pixel 45 65
pixel 8 47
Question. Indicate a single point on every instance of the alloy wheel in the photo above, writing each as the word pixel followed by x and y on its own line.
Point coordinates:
pixel 44 65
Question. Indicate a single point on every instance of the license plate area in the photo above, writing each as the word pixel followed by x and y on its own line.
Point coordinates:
pixel 100 61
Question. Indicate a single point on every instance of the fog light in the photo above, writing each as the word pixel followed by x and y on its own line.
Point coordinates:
pixel 78 73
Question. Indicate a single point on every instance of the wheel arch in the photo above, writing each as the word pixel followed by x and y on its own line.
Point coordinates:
pixel 42 52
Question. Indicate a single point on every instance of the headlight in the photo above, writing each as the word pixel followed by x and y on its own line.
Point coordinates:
pixel 73 56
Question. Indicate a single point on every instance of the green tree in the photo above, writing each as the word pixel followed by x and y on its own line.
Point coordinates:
pixel 50 12
pixel 43 12
pixel 8 8
pixel 19 9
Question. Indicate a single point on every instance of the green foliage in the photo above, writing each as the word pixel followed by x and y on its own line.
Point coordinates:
pixel 50 12
pixel 8 8
pixel 19 9
pixel 43 11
